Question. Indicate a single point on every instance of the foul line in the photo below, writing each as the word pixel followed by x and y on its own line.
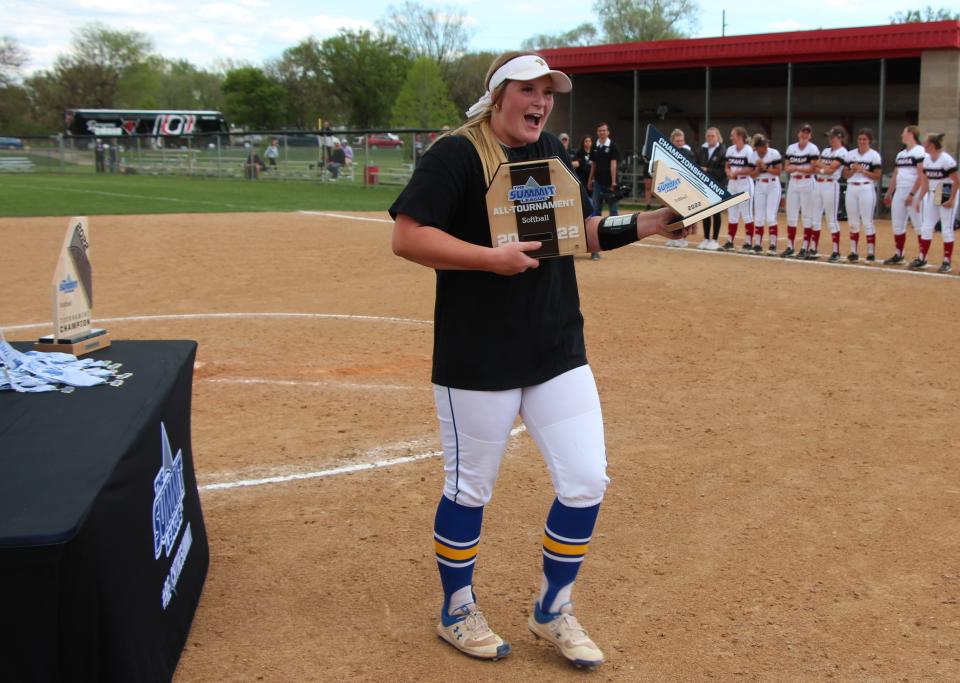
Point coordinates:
pixel 346 469
pixel 851 266
pixel 323 383
pixel 763 257
pixel 345 216
pixel 199 316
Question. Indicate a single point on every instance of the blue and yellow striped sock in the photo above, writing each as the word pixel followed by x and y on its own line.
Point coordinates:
pixel 565 540
pixel 456 539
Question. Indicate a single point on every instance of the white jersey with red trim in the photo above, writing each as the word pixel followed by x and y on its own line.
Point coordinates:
pixel 938 171
pixel 870 160
pixel 740 164
pixel 771 158
pixel 828 156
pixel 907 162
pixel 802 156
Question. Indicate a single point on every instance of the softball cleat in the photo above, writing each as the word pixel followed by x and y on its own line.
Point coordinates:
pixel 468 631
pixel 566 633
pixel 944 267
pixel 917 264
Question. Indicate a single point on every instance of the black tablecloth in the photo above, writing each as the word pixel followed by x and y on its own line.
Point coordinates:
pixel 103 550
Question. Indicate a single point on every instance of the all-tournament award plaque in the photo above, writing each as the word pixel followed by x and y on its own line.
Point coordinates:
pixel 682 185
pixel 537 201
pixel 73 297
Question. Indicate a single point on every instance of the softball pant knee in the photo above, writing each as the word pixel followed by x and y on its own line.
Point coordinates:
pixel 562 415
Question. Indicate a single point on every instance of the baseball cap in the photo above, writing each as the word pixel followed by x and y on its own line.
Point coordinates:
pixel 522 68
pixel 528 68
pixel 836 131
pixel 807 127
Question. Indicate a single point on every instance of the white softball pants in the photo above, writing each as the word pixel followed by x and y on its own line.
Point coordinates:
pixel 861 200
pixel 933 213
pixel 802 196
pixel 766 203
pixel 829 195
pixel 563 417
pixel 742 210
pixel 899 212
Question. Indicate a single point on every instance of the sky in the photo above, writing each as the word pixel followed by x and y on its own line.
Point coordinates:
pixel 253 31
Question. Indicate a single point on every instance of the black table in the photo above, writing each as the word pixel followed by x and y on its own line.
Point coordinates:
pixel 103 550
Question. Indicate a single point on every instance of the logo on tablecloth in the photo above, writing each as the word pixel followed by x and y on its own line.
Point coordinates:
pixel 168 493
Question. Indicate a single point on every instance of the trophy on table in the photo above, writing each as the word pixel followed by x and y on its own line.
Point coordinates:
pixel 682 185
pixel 537 201
pixel 73 297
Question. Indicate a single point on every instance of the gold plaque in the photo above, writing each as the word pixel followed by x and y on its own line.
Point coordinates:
pixel 537 201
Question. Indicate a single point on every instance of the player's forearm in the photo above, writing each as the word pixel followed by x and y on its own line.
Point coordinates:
pixel 437 249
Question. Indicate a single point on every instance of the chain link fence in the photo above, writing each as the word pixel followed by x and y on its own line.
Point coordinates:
pixel 362 157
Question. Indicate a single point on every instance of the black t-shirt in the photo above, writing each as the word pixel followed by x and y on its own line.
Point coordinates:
pixel 602 156
pixel 493 332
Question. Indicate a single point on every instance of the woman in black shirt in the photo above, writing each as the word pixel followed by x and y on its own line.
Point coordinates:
pixel 508 340
pixel 581 160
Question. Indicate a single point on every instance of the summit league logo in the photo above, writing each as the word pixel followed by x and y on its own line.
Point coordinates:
pixel 531 191
pixel 168 494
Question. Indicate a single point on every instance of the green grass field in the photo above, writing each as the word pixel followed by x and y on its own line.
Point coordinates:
pixel 50 194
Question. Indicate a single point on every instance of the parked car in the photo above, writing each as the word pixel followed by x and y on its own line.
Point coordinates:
pixel 384 140
pixel 11 143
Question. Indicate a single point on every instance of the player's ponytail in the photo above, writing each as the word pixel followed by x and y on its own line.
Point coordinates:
pixel 935 139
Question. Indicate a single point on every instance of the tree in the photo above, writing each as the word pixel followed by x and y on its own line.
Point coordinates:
pixel 465 81
pixel 251 99
pixel 439 33
pixel 365 71
pixel 584 34
pixel 423 101
pixel 307 91
pixel 643 20
pixel 12 57
pixel 925 14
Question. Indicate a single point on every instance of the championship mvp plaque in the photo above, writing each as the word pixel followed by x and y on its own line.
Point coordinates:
pixel 537 201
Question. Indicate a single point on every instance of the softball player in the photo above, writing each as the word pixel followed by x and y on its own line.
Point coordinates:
pixel 901 196
pixel 767 193
pixel 801 191
pixel 829 168
pixel 508 340
pixel 740 169
pixel 862 170
pixel 938 193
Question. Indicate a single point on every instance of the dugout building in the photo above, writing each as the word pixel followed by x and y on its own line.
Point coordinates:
pixel 880 77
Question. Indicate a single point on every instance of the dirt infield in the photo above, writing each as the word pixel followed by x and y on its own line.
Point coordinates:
pixel 785 497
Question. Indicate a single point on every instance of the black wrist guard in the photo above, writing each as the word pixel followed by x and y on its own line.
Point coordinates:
pixel 617 231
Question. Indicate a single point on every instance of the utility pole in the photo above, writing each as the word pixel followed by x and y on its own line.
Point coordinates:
pixel 723 23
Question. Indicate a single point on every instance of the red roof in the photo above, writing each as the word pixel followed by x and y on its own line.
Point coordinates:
pixel 825 45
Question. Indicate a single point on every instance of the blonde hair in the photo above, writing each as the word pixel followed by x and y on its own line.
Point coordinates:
pixel 915 132
pixel 741 132
pixel 477 129
pixel 675 132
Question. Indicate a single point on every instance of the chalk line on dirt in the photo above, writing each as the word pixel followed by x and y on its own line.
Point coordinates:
pixel 321 383
pixel 345 469
pixel 267 314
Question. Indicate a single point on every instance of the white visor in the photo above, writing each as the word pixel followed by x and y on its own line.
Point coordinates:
pixel 523 68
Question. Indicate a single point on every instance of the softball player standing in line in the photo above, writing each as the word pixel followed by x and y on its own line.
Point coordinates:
pixel 862 172
pixel 939 196
pixel 767 193
pixel 829 168
pixel 740 170
pixel 508 340
pixel 901 196
pixel 801 190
